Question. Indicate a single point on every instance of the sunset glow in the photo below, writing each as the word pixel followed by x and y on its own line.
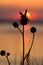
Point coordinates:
pixel 11 38
pixel 28 15
pixel 11 8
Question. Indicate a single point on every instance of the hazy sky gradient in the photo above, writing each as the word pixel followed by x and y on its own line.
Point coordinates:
pixel 10 38
pixel 9 9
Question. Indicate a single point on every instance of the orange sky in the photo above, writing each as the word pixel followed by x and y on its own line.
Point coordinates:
pixel 11 8
pixel 23 3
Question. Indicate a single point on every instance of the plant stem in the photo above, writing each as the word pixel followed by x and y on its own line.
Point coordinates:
pixel 20 31
pixel 30 47
pixel 23 44
pixel 7 59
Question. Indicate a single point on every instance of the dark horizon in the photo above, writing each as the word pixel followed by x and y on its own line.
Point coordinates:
pixel 13 20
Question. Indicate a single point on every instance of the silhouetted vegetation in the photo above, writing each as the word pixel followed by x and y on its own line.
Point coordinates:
pixel 15 24
pixel 24 20
pixel 33 29
pixel 3 53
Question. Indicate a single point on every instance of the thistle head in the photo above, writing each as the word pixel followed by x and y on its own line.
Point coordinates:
pixel 8 54
pixel 15 24
pixel 33 29
pixel 2 52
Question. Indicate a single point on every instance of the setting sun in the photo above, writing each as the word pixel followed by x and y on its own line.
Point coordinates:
pixel 28 15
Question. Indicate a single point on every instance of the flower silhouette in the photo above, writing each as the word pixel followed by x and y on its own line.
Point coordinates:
pixel 2 52
pixel 24 20
pixel 15 24
pixel 33 29
pixel 8 54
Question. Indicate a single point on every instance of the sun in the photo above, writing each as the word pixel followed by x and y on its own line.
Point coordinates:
pixel 28 15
